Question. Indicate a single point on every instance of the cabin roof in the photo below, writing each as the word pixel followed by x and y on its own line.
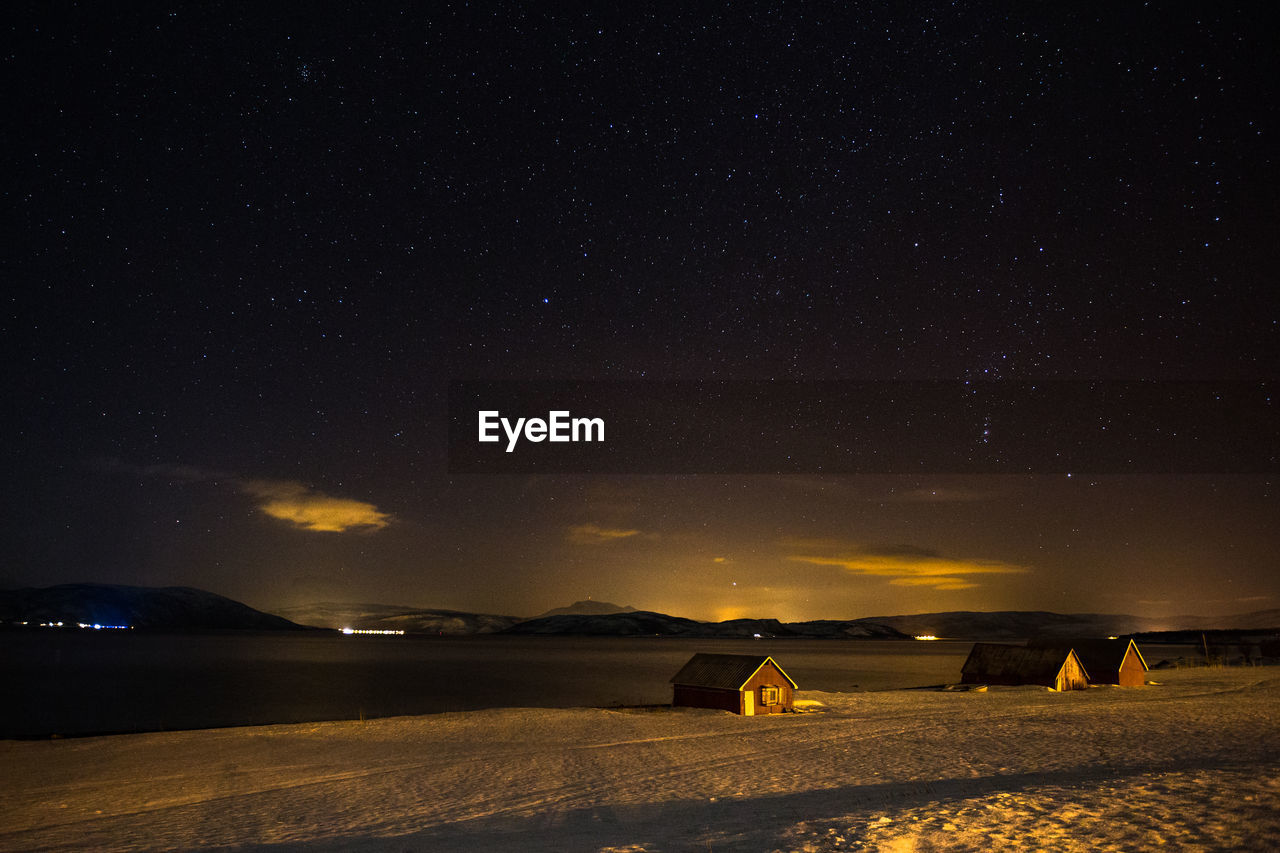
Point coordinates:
pixel 998 660
pixel 729 672
pixel 1098 656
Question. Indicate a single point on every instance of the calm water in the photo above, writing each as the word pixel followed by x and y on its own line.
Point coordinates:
pixel 73 683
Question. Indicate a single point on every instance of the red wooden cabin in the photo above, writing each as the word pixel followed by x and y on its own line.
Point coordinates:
pixel 743 684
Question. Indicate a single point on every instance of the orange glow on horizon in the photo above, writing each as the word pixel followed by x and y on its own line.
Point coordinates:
pixel 724 614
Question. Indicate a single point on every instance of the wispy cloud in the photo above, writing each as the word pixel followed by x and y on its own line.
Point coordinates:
pixel 593 534
pixel 906 565
pixel 294 503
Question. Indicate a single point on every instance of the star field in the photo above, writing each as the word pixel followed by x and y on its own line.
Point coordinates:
pixel 259 243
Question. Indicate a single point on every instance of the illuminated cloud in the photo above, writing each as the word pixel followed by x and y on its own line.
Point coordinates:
pixel 905 565
pixel 1250 599
pixel 311 510
pixel 935 582
pixel 288 501
pixel 592 534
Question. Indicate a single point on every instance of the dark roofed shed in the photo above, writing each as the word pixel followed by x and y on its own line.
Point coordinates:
pixel 1106 661
pixel 994 663
pixel 743 684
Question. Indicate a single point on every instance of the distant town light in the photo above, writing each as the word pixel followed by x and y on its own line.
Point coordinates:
pixel 370 631
pixel 925 637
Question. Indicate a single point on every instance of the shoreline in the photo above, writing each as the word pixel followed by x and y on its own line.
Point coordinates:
pixel 861 771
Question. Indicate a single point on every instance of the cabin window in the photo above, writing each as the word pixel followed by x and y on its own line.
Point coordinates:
pixel 770 696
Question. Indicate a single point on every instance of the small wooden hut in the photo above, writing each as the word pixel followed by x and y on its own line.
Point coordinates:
pixel 1105 661
pixel 994 663
pixel 743 684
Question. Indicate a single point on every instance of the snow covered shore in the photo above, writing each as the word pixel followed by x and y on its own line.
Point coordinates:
pixel 1190 764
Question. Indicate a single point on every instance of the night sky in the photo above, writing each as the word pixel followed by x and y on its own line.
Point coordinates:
pixel 247 249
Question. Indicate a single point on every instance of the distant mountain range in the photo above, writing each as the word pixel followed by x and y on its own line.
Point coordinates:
pixel 174 608
pixel 601 618
pixel 1240 622
pixel 587 608
pixel 638 623
pixel 416 620
pixel 185 608
pixel 391 617
pixel 1007 624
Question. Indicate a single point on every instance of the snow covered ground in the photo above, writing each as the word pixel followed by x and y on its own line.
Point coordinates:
pixel 1190 764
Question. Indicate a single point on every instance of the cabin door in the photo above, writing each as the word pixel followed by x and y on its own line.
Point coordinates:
pixel 749 703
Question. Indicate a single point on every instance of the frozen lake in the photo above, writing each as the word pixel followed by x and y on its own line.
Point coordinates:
pixel 73 683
